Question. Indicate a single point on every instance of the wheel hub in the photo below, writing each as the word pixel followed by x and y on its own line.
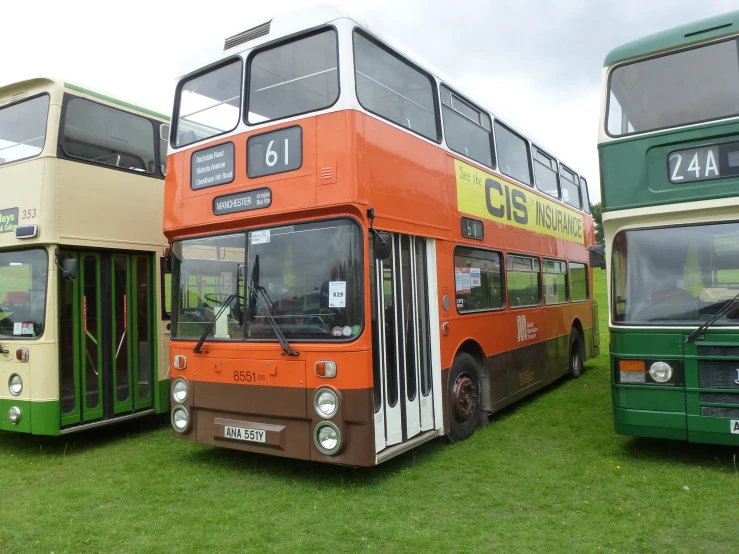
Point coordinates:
pixel 576 359
pixel 464 398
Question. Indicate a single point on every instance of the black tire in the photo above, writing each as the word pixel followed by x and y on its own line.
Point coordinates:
pixel 577 353
pixel 463 397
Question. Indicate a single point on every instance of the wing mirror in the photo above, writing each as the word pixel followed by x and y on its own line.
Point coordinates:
pixel 382 245
pixel 597 255
pixel 68 266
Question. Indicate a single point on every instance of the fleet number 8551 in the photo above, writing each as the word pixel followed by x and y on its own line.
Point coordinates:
pixel 247 376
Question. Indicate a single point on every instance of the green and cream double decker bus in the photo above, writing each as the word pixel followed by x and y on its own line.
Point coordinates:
pixel 669 155
pixel 82 337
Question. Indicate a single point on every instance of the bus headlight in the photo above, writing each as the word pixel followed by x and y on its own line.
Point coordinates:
pixel 326 403
pixel 660 372
pixel 15 384
pixel 180 419
pixel 14 415
pixel 179 390
pixel 327 438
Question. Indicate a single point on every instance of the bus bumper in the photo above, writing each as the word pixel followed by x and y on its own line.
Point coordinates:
pixel 39 418
pixel 715 430
pixel 644 423
pixel 640 411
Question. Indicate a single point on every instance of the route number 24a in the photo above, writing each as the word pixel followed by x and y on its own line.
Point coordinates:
pixel 709 169
pixel 273 157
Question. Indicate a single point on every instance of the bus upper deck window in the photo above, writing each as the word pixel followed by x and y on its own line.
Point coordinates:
pixel 294 78
pixel 513 154
pixel 23 129
pixel 209 104
pixel 545 173
pixel 389 86
pixel 570 187
pixel 108 136
pixel 467 129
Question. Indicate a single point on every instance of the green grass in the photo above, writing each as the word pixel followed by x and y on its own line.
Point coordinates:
pixel 548 475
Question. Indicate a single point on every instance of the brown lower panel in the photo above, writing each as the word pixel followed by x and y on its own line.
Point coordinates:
pixel 286 415
pixel 521 371
pixel 515 374
pixel 289 438
pixel 251 399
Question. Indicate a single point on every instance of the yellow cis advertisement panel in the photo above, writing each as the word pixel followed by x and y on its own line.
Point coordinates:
pixel 483 195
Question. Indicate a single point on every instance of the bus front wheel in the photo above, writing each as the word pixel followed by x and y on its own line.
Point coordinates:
pixel 576 354
pixel 464 395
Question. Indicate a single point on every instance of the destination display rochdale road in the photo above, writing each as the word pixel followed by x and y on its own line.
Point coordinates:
pixel 242 201
pixel 212 166
pixel 8 220
pixel 482 195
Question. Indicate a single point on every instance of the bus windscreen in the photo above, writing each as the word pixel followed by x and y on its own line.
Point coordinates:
pixel 675 275
pixel 691 86
pixel 23 276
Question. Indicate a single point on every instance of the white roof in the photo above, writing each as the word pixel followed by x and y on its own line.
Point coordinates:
pixel 289 23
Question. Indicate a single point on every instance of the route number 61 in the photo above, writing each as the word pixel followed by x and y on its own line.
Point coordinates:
pixel 274 152
pixel 272 156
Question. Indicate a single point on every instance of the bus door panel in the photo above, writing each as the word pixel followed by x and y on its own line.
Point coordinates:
pixel 105 332
pixel 405 324
pixel 144 325
pixel 379 372
pixel 121 320
pixel 91 350
pixel 422 278
pixel 393 424
pixel 69 346
pixel 403 357
pixel 129 335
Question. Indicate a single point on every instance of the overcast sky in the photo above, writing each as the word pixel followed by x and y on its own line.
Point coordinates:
pixel 536 63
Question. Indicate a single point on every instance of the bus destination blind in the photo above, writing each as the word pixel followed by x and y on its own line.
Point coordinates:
pixel 212 166
pixel 706 163
pixel 242 201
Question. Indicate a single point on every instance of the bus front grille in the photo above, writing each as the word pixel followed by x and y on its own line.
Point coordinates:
pixel 718 374
pixel 732 351
pixel 715 411
pixel 720 398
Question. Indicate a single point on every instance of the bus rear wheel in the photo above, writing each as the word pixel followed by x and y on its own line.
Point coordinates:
pixel 464 397
pixel 576 354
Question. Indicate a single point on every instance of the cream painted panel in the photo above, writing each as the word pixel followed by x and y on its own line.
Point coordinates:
pixel 8 369
pixel 39 383
pixel 20 187
pixel 104 205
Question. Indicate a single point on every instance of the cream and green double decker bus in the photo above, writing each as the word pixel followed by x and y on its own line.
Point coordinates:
pixel 669 155
pixel 83 339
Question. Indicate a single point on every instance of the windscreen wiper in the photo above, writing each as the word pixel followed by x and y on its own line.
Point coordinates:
pixel 226 304
pixel 700 330
pixel 286 348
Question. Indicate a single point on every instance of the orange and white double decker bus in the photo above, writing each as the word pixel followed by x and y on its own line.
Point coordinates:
pixel 363 257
